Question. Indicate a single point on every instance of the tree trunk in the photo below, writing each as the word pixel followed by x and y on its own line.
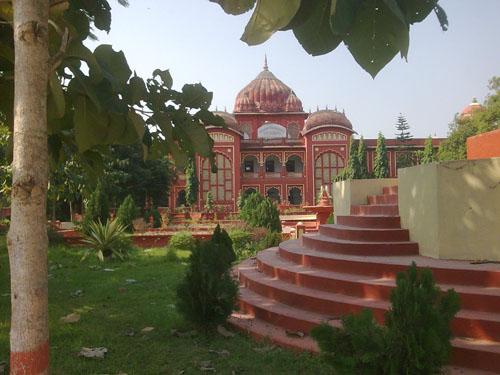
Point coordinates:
pixel 27 238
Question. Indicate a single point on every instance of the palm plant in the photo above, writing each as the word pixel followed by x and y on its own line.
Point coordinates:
pixel 107 240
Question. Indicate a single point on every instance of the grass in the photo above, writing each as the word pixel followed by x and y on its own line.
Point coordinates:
pixel 111 306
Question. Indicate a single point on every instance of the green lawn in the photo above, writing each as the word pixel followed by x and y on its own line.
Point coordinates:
pixel 110 306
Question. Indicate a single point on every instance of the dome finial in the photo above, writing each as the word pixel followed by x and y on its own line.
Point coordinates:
pixel 265 62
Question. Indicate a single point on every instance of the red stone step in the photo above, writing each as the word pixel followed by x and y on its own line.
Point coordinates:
pixel 445 272
pixel 270 263
pixel 324 243
pixel 474 324
pixel 390 189
pixel 375 209
pixel 383 199
pixel 364 234
pixel 370 221
pixel 484 355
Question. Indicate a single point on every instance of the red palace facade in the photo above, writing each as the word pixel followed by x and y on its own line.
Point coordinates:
pixel 272 146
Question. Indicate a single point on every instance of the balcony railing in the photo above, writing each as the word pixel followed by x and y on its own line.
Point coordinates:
pixel 272 142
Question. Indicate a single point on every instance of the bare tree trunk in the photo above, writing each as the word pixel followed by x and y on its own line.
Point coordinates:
pixel 27 238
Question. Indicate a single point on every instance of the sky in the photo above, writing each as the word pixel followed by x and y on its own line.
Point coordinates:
pixel 198 42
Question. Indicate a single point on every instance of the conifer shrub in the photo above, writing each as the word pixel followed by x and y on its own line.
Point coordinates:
pixel 415 339
pixel 126 213
pixel 182 240
pixel 207 294
pixel 157 220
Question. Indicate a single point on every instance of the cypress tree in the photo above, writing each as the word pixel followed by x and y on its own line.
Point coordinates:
pixel 428 155
pixel 363 166
pixel 353 170
pixel 192 183
pixel 381 167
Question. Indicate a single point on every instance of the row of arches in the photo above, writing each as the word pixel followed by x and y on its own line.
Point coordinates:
pixel 272 164
pixel 294 195
pixel 326 166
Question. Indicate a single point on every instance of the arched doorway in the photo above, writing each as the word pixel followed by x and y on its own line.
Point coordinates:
pixel 295 196
pixel 274 194
pixel 326 166
pixel 181 198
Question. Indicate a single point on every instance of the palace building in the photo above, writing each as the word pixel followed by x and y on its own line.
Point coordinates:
pixel 272 146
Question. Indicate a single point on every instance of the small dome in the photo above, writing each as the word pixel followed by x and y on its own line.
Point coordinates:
pixel 471 108
pixel 266 93
pixel 326 117
pixel 229 119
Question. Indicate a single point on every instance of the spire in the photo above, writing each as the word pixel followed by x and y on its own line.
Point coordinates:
pixel 225 109
pixel 265 62
pixel 216 109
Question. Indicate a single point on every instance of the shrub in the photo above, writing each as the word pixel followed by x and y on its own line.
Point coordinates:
pixel 243 244
pixel 266 216
pixel 107 240
pixel 157 220
pixel 127 212
pixel 207 295
pixel 356 348
pixel 249 206
pixel 96 209
pixel 209 203
pixel 415 340
pixel 419 323
pixel 183 240
pixel 271 239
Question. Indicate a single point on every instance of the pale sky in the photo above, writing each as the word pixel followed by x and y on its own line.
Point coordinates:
pixel 198 42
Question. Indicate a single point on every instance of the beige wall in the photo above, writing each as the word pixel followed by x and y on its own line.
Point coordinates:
pixel 347 193
pixel 452 209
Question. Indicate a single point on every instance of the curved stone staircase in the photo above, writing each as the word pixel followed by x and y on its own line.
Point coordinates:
pixel 352 265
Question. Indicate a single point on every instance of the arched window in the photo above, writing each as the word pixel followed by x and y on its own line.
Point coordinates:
pixel 219 183
pixel 326 166
pixel 295 196
pixel 274 194
pixel 294 165
pixel 250 164
pixel 272 164
pixel 248 191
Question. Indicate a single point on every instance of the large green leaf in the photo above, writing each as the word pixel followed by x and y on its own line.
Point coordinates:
pixel 114 66
pixel 165 76
pixel 56 101
pixel 136 90
pixel 138 123
pixel 235 6
pixel 268 17
pixel 90 126
pixel 315 34
pixel 78 51
pixel 196 96
pixel 343 15
pixel 81 84
pixel 416 10
pixel 377 35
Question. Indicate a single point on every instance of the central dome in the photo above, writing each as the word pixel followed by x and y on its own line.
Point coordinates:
pixel 266 93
